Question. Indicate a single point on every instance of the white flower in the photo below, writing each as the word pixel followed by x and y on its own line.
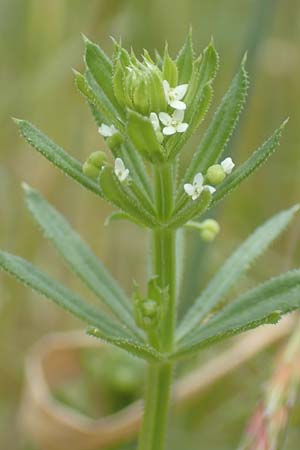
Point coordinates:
pixel 107 131
pixel 120 170
pixel 174 95
pixel 173 124
pixel 227 165
pixel 155 122
pixel 194 190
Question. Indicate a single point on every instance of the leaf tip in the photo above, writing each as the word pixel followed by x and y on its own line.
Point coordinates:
pixel 26 187
pixel 17 121
pixel 244 59
pixel 85 39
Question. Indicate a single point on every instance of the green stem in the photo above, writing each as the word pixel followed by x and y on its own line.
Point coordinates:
pixel 159 377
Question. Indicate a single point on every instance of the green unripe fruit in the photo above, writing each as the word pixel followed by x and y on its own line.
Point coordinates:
pixel 215 174
pixel 97 159
pixel 90 170
pixel 209 230
pixel 115 141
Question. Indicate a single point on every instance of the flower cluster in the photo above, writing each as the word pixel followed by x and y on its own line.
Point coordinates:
pixel 172 123
pixel 215 174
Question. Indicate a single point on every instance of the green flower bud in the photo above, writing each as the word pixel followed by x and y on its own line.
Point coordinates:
pixel 91 168
pixel 139 84
pixel 215 174
pixel 97 159
pixel 147 310
pixel 115 141
pixel 209 230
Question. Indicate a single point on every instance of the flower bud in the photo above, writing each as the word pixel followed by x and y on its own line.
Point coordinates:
pixel 97 159
pixel 93 164
pixel 115 141
pixel 215 174
pixel 147 310
pixel 209 230
pixel 89 170
pixel 139 85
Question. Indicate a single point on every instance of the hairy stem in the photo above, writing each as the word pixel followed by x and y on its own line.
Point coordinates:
pixel 159 376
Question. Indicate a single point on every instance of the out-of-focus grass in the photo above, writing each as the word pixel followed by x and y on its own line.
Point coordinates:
pixel 40 42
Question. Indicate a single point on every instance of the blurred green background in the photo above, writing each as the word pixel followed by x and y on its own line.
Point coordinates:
pixel 40 42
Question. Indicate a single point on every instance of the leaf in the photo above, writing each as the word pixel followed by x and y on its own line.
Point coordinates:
pixel 92 92
pixel 56 155
pixel 221 126
pixel 134 163
pixel 119 195
pixel 198 98
pixel 185 60
pixel 80 257
pixel 100 68
pixel 235 266
pixel 254 162
pixel 192 210
pixel 40 282
pixel 120 215
pixel 169 69
pixel 204 71
pixel 135 348
pixel 264 304
pixel 142 135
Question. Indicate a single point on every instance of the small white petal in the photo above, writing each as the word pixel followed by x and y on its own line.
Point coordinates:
pixel 165 118
pixel 177 104
pixel 122 176
pixel 168 131
pixel 178 115
pixel 189 189
pixel 180 91
pixel 154 121
pixel 227 165
pixel 198 180
pixel 211 189
pixel 182 127
pixel 196 195
pixel 166 87
pixel 119 165
pixel 107 131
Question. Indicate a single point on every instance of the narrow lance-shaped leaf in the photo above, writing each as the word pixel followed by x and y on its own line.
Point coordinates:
pixel 254 162
pixel 221 126
pixel 198 97
pixel 204 71
pixel 80 257
pixel 185 60
pixel 56 155
pixel 142 135
pixel 235 266
pixel 135 348
pixel 192 210
pixel 100 67
pixel 119 195
pixel 63 297
pixel 266 303
pixel 91 91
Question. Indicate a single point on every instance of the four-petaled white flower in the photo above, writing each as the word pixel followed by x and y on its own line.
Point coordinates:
pixel 107 131
pixel 227 165
pixel 195 189
pixel 173 124
pixel 155 122
pixel 120 170
pixel 175 95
